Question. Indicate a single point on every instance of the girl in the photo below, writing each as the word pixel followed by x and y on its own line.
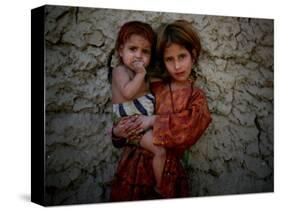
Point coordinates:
pixel 130 90
pixel 182 116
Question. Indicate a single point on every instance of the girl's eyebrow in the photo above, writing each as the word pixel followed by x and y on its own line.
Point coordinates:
pixel 168 57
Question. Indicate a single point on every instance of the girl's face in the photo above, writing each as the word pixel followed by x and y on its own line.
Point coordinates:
pixel 135 49
pixel 178 61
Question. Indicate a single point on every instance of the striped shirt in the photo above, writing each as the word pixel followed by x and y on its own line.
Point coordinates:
pixel 143 105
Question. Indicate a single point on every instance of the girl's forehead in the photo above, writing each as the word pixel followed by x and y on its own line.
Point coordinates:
pixel 174 47
pixel 170 43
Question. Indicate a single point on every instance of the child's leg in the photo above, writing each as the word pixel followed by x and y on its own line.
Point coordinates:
pixel 159 155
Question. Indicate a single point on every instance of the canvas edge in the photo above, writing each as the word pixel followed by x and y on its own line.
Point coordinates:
pixel 38 106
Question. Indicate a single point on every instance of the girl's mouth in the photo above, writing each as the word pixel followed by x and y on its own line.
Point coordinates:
pixel 180 73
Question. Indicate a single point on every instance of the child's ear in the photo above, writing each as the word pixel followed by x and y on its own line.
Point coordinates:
pixel 120 50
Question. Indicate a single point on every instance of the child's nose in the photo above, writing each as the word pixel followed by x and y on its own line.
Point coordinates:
pixel 138 54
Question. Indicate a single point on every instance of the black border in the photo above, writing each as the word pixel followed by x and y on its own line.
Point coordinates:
pixel 37 106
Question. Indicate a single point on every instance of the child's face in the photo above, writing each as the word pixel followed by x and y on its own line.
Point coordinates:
pixel 135 49
pixel 178 61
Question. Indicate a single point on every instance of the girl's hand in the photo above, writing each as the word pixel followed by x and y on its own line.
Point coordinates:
pixel 146 121
pixel 129 127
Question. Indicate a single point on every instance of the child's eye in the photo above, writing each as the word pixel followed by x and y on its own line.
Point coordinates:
pixel 133 49
pixel 146 51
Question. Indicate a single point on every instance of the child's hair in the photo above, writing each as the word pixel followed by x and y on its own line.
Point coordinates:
pixel 135 28
pixel 179 32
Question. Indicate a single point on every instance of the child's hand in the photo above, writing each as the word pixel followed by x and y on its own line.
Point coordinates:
pixel 139 67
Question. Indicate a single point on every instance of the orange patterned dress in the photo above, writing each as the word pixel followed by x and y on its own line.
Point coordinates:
pixel 182 116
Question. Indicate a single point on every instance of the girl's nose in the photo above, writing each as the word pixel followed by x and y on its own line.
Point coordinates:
pixel 177 65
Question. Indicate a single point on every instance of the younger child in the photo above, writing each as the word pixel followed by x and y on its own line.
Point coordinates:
pixel 130 91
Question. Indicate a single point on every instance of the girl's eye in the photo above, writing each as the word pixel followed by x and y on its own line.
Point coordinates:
pixel 168 59
pixel 182 56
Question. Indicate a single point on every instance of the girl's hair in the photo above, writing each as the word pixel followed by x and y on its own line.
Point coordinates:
pixel 179 32
pixel 135 28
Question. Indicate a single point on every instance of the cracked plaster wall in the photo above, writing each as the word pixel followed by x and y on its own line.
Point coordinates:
pixel 234 156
